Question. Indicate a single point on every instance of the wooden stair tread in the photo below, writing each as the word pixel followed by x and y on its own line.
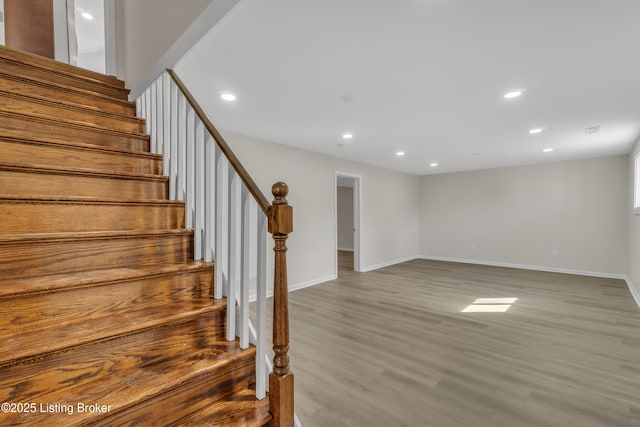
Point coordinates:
pixel 70 124
pixel 86 235
pixel 240 410
pixel 71 120
pixel 78 94
pixel 73 331
pixel 45 63
pixel 46 215
pixel 24 286
pixel 58 170
pixel 125 371
pixel 72 106
pixel 90 201
pixel 82 146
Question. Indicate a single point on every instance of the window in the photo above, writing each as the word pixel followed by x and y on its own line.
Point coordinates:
pixel 636 185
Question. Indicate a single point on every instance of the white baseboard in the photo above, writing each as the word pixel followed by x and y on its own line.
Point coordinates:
pixel 528 267
pixel 635 292
pixel 388 263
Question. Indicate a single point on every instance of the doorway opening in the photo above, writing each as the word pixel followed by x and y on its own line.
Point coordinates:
pixel 348 189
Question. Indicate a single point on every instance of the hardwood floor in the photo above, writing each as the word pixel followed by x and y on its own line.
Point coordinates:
pixel 392 347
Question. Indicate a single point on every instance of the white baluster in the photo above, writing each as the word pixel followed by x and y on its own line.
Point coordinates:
pixel 210 198
pixel 139 106
pixel 261 306
pixel 153 122
pixel 145 110
pixel 173 165
pixel 245 268
pixel 191 163
pixel 182 148
pixel 234 251
pixel 166 123
pixel 222 225
pixel 159 128
pixel 199 190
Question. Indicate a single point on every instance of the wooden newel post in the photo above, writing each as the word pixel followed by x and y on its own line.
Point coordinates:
pixel 281 379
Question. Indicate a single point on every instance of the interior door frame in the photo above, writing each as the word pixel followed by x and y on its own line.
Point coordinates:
pixel 357 219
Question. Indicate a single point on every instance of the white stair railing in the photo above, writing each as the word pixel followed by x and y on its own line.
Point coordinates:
pixel 223 206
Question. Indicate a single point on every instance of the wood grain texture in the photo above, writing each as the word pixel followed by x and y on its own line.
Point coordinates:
pixel 27 104
pixel 29 26
pixel 57 182
pixel 209 387
pixel 129 370
pixel 23 216
pixel 32 153
pixel 47 65
pixel 63 79
pixel 393 348
pixel 42 254
pixel 35 86
pixel 239 410
pixel 28 286
pixel 17 125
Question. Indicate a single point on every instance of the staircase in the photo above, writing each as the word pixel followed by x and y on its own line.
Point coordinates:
pixel 106 318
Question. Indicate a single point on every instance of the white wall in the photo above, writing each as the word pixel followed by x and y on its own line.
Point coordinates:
pixel 152 35
pixel 345 218
pixel 634 230
pixel 390 208
pixel 519 215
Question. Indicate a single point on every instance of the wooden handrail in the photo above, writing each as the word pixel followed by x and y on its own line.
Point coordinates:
pixel 281 378
pixel 224 147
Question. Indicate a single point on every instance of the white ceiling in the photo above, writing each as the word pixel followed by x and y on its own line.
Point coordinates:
pixel 426 77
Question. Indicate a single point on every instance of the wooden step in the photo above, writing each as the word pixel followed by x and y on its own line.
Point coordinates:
pixel 35 86
pixel 24 152
pixel 59 321
pixel 16 125
pixel 27 286
pixel 152 377
pixel 16 63
pixel 55 66
pixel 52 182
pixel 71 215
pixel 63 253
pixel 239 410
pixel 78 114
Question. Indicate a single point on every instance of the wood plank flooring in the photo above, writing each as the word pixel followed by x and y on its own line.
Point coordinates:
pixel 392 347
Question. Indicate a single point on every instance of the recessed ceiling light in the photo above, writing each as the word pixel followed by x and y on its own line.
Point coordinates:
pixel 547 150
pixel 513 94
pixel 228 96
pixel 347 135
pixel 433 165
pixel 400 153
pixel 87 16
pixel 535 131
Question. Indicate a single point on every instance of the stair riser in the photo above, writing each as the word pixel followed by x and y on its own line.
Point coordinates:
pixel 38 311
pixel 48 64
pixel 30 127
pixel 76 374
pixel 96 118
pixel 35 184
pixel 25 153
pixel 27 71
pixel 172 407
pixel 42 89
pixel 44 258
pixel 54 217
